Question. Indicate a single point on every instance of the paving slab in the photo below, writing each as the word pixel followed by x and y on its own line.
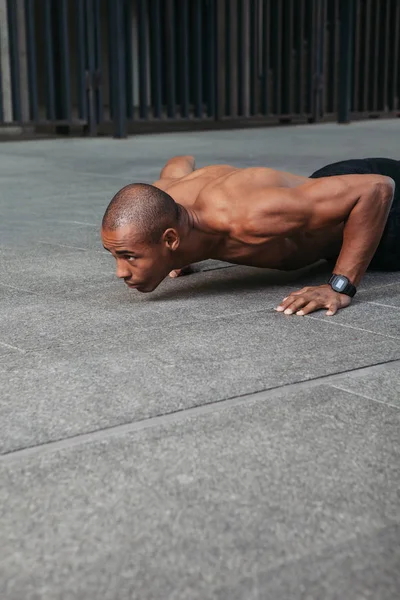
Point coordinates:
pixel 366 567
pixel 53 269
pixel 235 503
pixel 291 496
pixel 103 368
pixel 387 296
pixel 383 320
pixel 381 383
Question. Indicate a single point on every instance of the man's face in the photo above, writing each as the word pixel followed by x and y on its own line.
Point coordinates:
pixel 141 265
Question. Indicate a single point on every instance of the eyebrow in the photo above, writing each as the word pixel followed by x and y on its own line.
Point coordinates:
pixel 120 251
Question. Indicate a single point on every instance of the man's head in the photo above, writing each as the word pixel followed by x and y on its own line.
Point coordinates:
pixel 141 229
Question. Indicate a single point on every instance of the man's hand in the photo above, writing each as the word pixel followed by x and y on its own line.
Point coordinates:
pixel 179 272
pixel 310 299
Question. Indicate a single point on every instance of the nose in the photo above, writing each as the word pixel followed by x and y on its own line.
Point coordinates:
pixel 122 270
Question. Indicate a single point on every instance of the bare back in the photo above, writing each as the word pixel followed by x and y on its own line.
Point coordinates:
pixel 219 196
pixel 187 189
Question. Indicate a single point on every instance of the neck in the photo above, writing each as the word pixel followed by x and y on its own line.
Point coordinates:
pixel 196 244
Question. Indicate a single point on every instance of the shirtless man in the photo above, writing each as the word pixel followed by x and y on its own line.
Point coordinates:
pixel 348 212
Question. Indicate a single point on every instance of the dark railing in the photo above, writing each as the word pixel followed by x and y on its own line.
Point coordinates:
pixel 121 66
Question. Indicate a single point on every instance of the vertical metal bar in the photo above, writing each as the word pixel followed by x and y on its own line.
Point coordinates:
pixel 185 58
pixel 330 66
pixel 357 54
pixel 376 59
pixel 92 120
pixel 49 62
pixel 111 44
pixel 319 33
pixel 80 57
pixel 170 56
pixel 244 58
pixel 367 43
pixel 220 59
pixel 117 46
pixel 1 99
pixel 315 59
pixel 128 21
pixel 98 63
pixel 63 87
pixel 198 59
pixel 396 50
pixel 266 25
pixel 287 58
pixel 241 58
pixel 31 58
pixel 2 118
pixel 346 35
pixel 143 43
pixel 156 71
pixel 14 60
pixel 302 58
pixel 335 56
pixel 232 58
pixel 277 56
pixel 309 43
pixel 386 59
pixel 211 57
pixel 253 57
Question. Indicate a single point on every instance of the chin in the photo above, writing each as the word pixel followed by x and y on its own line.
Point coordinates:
pixel 148 288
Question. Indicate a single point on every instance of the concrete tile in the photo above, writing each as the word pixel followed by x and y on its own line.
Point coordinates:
pixel 100 367
pixel 222 505
pixel 75 295
pixel 366 567
pixel 53 269
pixel 365 316
pixel 385 296
pixel 14 296
pixel 381 383
pixel 8 353
pixel 28 229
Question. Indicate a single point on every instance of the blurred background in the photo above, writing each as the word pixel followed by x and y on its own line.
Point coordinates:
pixel 115 67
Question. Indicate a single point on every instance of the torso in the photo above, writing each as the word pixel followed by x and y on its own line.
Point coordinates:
pixel 212 191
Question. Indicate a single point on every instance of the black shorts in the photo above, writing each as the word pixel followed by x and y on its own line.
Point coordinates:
pixel 387 255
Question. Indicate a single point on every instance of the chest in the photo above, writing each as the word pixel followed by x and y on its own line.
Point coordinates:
pixel 272 254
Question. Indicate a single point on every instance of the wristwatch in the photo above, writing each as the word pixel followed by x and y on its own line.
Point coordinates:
pixel 341 284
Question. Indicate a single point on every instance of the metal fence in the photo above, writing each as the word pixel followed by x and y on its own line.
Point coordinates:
pixel 124 66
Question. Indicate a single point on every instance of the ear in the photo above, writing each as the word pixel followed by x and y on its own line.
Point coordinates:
pixel 171 239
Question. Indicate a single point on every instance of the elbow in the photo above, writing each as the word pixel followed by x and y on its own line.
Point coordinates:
pixel 386 187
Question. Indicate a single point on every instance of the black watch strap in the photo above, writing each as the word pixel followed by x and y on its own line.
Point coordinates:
pixel 341 284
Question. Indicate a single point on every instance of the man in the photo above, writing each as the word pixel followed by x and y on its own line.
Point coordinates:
pixel 347 212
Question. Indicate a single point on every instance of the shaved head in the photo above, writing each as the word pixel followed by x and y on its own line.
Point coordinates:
pixel 148 209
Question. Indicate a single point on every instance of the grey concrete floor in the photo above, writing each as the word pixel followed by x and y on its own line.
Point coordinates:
pixel 191 444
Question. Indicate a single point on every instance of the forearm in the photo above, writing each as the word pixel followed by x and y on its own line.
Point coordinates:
pixel 364 228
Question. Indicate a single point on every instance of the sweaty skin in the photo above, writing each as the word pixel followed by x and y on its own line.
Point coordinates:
pixel 266 218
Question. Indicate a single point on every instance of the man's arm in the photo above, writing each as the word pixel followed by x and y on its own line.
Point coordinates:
pixel 178 167
pixel 362 202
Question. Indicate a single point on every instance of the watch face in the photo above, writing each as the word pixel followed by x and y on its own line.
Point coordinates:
pixel 340 283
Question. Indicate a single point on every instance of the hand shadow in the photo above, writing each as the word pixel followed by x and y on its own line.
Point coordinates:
pixel 237 278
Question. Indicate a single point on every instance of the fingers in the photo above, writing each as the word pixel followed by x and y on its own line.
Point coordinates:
pixel 294 305
pixel 333 308
pixel 179 272
pixel 302 306
pixel 309 299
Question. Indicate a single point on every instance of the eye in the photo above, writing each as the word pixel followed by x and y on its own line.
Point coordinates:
pixel 130 258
